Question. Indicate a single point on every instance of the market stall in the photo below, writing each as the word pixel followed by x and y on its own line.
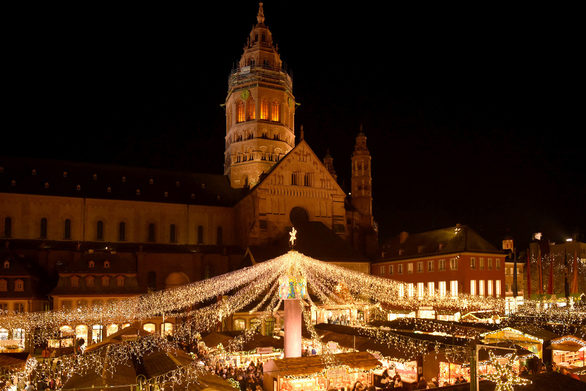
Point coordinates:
pixel 258 349
pixel 311 373
pixel 568 351
pixel 531 338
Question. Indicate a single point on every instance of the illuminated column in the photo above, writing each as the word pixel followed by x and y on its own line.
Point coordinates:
pixel 293 328
pixel 291 289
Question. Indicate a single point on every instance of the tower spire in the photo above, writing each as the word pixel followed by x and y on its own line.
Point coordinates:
pixel 260 17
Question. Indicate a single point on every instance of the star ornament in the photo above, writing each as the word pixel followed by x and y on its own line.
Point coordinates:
pixel 292 237
pixel 504 375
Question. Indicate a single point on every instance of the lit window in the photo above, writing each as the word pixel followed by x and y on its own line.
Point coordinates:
pixel 489 263
pixel 481 264
pixel 442 288
pixel 481 287
pixel 453 263
pixel 402 290
pixel 454 288
pixel 410 289
pixel 472 287
pixel 472 263
pixel 264 110
pixel 97 333
pixel 410 268
pixel 442 265
pixel 489 288
pixel 111 329
pixel 250 109
pixel 498 287
pixel 106 264
pixel 275 112
pixel 6 264
pixel 149 327
pixel 431 288
pixel 400 268
pixel 166 329
pixel 240 112
pixel 430 266
pixel 239 324
pixel 420 290
pixel 91 264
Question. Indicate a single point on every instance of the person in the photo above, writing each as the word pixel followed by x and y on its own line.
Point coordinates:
pixel 358 386
pixel 397 382
pixel 421 384
pixel 433 383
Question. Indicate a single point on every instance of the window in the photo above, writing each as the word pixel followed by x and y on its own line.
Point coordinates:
pixel 7 227
pixel 481 287
pixel 454 288
pixel 383 270
pixel 219 236
pixel 239 324
pixel 74 280
pixel 151 235
pixel 400 268
pixel 91 264
pixel 481 264
pixel 453 263
pixel 149 327
pixel 106 264
pixel 105 281
pixel 120 281
pixel 402 290
pixel 166 329
pixel 97 333
pixel 275 112
pixel 307 180
pixel 67 230
pixel 3 307
pixel 472 287
pixel 498 264
pixel 441 265
pixel 240 112
pixel 250 109
pixel 172 234
pixel 7 264
pixel 472 263
pixel 122 231
pixel 419 267
pixel 489 288
pixel 498 287
pixel 43 232
pixel 442 288
pixel 390 269
pixel 100 230
pixel 410 268
pixel 411 289
pixel 489 263
pixel 3 285
pixel 19 285
pixel 420 290
pixel 430 266
pixel 431 288
pixel 264 110
pixel 111 329
pixel 200 234
pixel 293 178
pixel 90 281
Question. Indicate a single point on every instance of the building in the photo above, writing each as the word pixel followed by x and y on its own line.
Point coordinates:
pixel 157 229
pixel 447 261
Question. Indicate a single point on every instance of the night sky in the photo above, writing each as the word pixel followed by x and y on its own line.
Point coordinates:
pixel 473 115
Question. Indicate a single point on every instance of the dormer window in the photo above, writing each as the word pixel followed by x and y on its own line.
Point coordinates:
pixel 123 179
pixel 137 192
pixel 177 184
pixel 91 264
pixel 151 181
pixel 106 264
pixel 109 189
pixel 65 174
pixel 19 285
pixel 95 177
pixel 6 264
pixel 46 185
pixel 166 194
pixel 34 172
pixel 192 196
pixel 78 187
pixel 13 183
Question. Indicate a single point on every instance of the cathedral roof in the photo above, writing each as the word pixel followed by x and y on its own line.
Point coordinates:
pixel 101 181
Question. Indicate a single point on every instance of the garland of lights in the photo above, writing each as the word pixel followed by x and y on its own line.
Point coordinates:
pixel 504 375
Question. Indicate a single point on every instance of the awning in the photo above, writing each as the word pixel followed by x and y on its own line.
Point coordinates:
pixel 565 347
pixel 298 366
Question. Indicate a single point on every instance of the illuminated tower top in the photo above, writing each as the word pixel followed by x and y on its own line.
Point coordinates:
pixel 260 109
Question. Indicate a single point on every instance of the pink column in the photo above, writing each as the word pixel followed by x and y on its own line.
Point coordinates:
pixel 292 328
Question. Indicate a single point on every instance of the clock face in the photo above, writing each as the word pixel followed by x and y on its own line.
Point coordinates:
pixel 245 94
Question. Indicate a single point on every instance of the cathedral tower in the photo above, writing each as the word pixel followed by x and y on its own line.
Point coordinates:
pixel 260 110
pixel 362 180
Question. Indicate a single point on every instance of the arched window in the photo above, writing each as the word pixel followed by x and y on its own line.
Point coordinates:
pixel 275 112
pixel 3 285
pixel 120 281
pixel 7 264
pixel 90 281
pixel 67 230
pixel 91 264
pixel 106 264
pixel 240 111
pixel 149 327
pixel 74 280
pixel 264 109
pixel 219 236
pixel 100 230
pixel 43 232
pixel 250 109
pixel 151 237
pixel 122 231
pixel 8 227
pixel 105 281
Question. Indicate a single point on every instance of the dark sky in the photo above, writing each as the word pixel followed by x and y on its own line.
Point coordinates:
pixel 473 115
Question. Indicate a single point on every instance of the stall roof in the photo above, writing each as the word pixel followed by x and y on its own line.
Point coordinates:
pixel 565 347
pixel 533 331
pixel 312 364
pixel 13 360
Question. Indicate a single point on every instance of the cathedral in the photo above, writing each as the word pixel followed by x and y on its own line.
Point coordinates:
pixel 76 234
